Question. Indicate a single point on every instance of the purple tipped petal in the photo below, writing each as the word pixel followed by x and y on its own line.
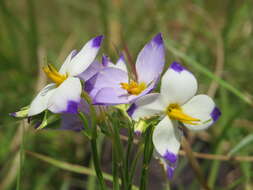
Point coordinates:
pixel 74 53
pixel 13 114
pixel 177 67
pixel 105 60
pixel 131 109
pixel 97 41
pixel 85 57
pixel 215 114
pixel 72 107
pixel 170 156
pixel 71 122
pixel 151 60
pixel 66 97
pixel 158 39
pixel 138 133
pixel 170 172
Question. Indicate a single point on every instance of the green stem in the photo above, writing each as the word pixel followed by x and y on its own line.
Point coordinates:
pixel 97 163
pixel 93 141
pixel 21 158
pixel 148 150
pixel 134 164
pixel 115 169
pixel 94 150
pixel 127 160
pixel 120 155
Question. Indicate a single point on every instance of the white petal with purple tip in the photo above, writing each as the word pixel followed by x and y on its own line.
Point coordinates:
pixel 67 62
pixel 166 139
pixel 85 57
pixel 40 102
pixel 200 107
pixel 151 60
pixel 66 97
pixel 178 85
pixel 148 106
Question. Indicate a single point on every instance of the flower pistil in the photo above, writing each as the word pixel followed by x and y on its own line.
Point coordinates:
pixel 133 87
pixel 54 75
pixel 175 112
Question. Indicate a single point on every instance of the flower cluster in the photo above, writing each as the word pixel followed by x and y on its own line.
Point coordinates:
pixel 109 84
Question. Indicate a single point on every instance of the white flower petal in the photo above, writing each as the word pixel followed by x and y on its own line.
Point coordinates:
pixel 66 97
pixel 166 140
pixel 178 85
pixel 67 62
pixel 85 57
pixel 40 102
pixel 147 106
pixel 201 107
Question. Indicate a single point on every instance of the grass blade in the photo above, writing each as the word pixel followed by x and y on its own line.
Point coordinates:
pixel 244 142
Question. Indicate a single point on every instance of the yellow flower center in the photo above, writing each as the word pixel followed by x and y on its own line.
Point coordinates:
pixel 174 111
pixel 54 75
pixel 133 87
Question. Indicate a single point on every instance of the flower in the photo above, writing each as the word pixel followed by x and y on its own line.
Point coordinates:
pixel 113 86
pixel 64 94
pixel 175 103
pixel 72 121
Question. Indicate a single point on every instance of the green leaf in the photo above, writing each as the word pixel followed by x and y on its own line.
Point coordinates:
pixel 244 142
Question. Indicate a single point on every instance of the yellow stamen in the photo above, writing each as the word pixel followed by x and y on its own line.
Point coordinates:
pixel 175 112
pixel 54 75
pixel 133 87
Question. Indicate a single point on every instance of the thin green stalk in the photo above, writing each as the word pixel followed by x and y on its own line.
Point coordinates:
pixel 91 182
pixel 115 169
pixel 129 148
pixel 94 150
pixel 97 163
pixel 21 158
pixel 93 142
pixel 86 130
pixel 148 150
pixel 134 164
pixel 120 155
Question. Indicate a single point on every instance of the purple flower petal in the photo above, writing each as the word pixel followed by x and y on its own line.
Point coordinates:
pixel 151 60
pixel 97 41
pixel 72 107
pixel 170 156
pixel 92 70
pixel 109 78
pixel 110 96
pixel 71 122
pixel 215 114
pixel 170 172
pixel 131 109
pixel 177 67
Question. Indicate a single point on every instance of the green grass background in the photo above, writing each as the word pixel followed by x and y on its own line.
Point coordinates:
pixel 208 37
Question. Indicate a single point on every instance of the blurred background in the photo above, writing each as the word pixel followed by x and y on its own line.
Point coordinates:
pixel 210 36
